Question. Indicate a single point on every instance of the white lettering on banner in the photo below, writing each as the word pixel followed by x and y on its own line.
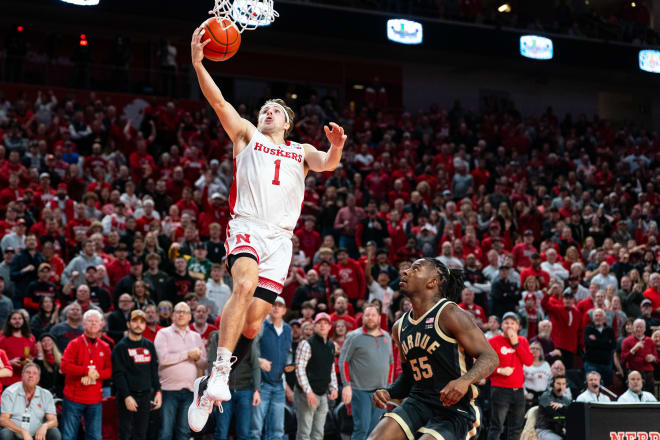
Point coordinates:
pixel 140 355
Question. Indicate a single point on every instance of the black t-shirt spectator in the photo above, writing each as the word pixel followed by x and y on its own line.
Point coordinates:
pixel 216 251
pixel 35 291
pixel 178 286
pixel 101 298
pixel 505 297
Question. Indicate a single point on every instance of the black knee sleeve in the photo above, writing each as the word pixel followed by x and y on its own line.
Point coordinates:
pixel 242 349
pixel 267 295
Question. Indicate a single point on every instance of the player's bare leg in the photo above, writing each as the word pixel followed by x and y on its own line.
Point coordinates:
pixel 245 273
pixel 387 429
pixel 254 319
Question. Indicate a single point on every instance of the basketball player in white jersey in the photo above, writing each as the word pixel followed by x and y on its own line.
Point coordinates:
pixel 265 202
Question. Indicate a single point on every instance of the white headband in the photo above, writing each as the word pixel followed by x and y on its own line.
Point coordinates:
pixel 276 104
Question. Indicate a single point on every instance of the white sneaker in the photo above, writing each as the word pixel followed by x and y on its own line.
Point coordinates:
pixel 218 384
pixel 201 406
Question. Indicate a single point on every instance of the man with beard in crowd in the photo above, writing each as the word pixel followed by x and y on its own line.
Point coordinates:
pixel 17 341
pixel 179 284
pixel 313 291
pixel 341 310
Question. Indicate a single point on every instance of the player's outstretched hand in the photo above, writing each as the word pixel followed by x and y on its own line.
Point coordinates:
pixel 380 399
pixel 335 135
pixel 453 391
pixel 197 46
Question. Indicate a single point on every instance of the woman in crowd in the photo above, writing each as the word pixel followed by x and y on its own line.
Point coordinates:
pixel 537 376
pixel 141 295
pixel 46 317
pixel 49 359
pixel 165 313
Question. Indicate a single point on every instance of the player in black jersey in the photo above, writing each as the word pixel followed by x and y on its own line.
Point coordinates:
pixel 437 343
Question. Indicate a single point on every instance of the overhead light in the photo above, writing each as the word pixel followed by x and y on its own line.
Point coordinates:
pixel 358 86
pixel 294 96
pixel 83 36
pixel 633 4
pixel 404 31
pixel 83 42
pixel 82 2
pixel 536 47
pixel 19 28
pixel 505 7
pixel 649 60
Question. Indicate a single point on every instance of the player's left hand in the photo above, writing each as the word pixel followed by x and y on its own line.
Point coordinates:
pixel 335 135
pixel 454 391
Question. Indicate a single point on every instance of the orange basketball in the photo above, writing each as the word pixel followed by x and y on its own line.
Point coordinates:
pixel 225 39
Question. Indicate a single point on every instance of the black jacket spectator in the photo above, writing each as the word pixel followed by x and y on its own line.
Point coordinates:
pixel 23 279
pixel 599 344
pixel 505 296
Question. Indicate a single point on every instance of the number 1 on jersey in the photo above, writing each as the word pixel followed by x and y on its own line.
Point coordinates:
pixel 276 180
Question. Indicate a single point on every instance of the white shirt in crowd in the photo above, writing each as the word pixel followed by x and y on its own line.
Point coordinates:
pixel 604 281
pixel 555 270
pixel 630 397
pixel 590 396
pixel 219 293
pixel 537 377
pixel 377 292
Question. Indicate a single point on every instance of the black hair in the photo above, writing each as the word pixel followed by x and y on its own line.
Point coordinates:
pixel 559 376
pixel 450 281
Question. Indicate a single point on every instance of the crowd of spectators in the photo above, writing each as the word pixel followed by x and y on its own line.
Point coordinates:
pixel 552 219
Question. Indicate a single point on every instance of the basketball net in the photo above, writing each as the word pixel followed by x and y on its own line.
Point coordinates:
pixel 245 14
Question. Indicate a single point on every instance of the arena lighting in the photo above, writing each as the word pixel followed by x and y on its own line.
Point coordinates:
pixel 19 28
pixel 505 7
pixel 82 2
pixel 649 60
pixel 536 47
pixel 404 31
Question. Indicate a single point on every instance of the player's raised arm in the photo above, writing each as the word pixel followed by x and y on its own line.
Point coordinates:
pixel 460 325
pixel 235 126
pixel 326 161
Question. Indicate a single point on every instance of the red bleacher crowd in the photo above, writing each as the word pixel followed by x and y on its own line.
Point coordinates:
pixel 535 209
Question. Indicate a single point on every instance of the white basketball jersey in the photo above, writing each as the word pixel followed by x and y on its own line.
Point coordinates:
pixel 269 182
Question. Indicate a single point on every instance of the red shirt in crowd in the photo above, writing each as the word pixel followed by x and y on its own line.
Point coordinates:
pixel 542 275
pixel 351 279
pixel 4 363
pixel 76 360
pixel 310 241
pixel 652 294
pixel 637 360
pixel 566 323
pixel 151 334
pixel 206 334
pixel 17 347
pixel 510 356
pixel 350 321
pixel 476 310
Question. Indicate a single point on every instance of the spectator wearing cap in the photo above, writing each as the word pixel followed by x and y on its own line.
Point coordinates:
pixel 523 251
pixel 217 290
pixel 653 293
pixel 180 283
pixel 70 328
pixel 638 352
pixel 135 375
pixel 507 392
pixel 566 322
pixel 535 270
pixel 16 238
pixel 119 267
pixel 576 289
pixel 599 343
pixel 39 288
pixel 317 380
pixel 28 410
pixel 126 283
pixel 351 277
pixel 199 267
pixel 98 295
pixel 274 344
pixel 5 271
pixel 652 323
pixel 180 354
pixel 505 294
pixel 366 364
pixel 86 363
pixel 24 269
pixel 76 268
pixel 310 239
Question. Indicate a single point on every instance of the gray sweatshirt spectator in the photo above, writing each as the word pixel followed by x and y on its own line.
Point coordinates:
pixel 80 264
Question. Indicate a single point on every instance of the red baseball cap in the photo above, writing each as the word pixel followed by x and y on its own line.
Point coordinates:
pixel 321 316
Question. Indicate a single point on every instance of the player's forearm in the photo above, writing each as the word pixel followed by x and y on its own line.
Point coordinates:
pixel 333 157
pixel 483 367
pixel 209 88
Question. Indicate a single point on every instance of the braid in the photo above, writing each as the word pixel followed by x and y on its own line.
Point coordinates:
pixel 450 281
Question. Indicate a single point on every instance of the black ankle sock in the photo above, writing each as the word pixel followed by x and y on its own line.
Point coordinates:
pixel 242 349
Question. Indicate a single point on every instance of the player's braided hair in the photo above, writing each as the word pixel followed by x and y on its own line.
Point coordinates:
pixel 450 281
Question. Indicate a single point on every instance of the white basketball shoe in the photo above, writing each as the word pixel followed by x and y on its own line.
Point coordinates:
pixel 218 384
pixel 201 406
